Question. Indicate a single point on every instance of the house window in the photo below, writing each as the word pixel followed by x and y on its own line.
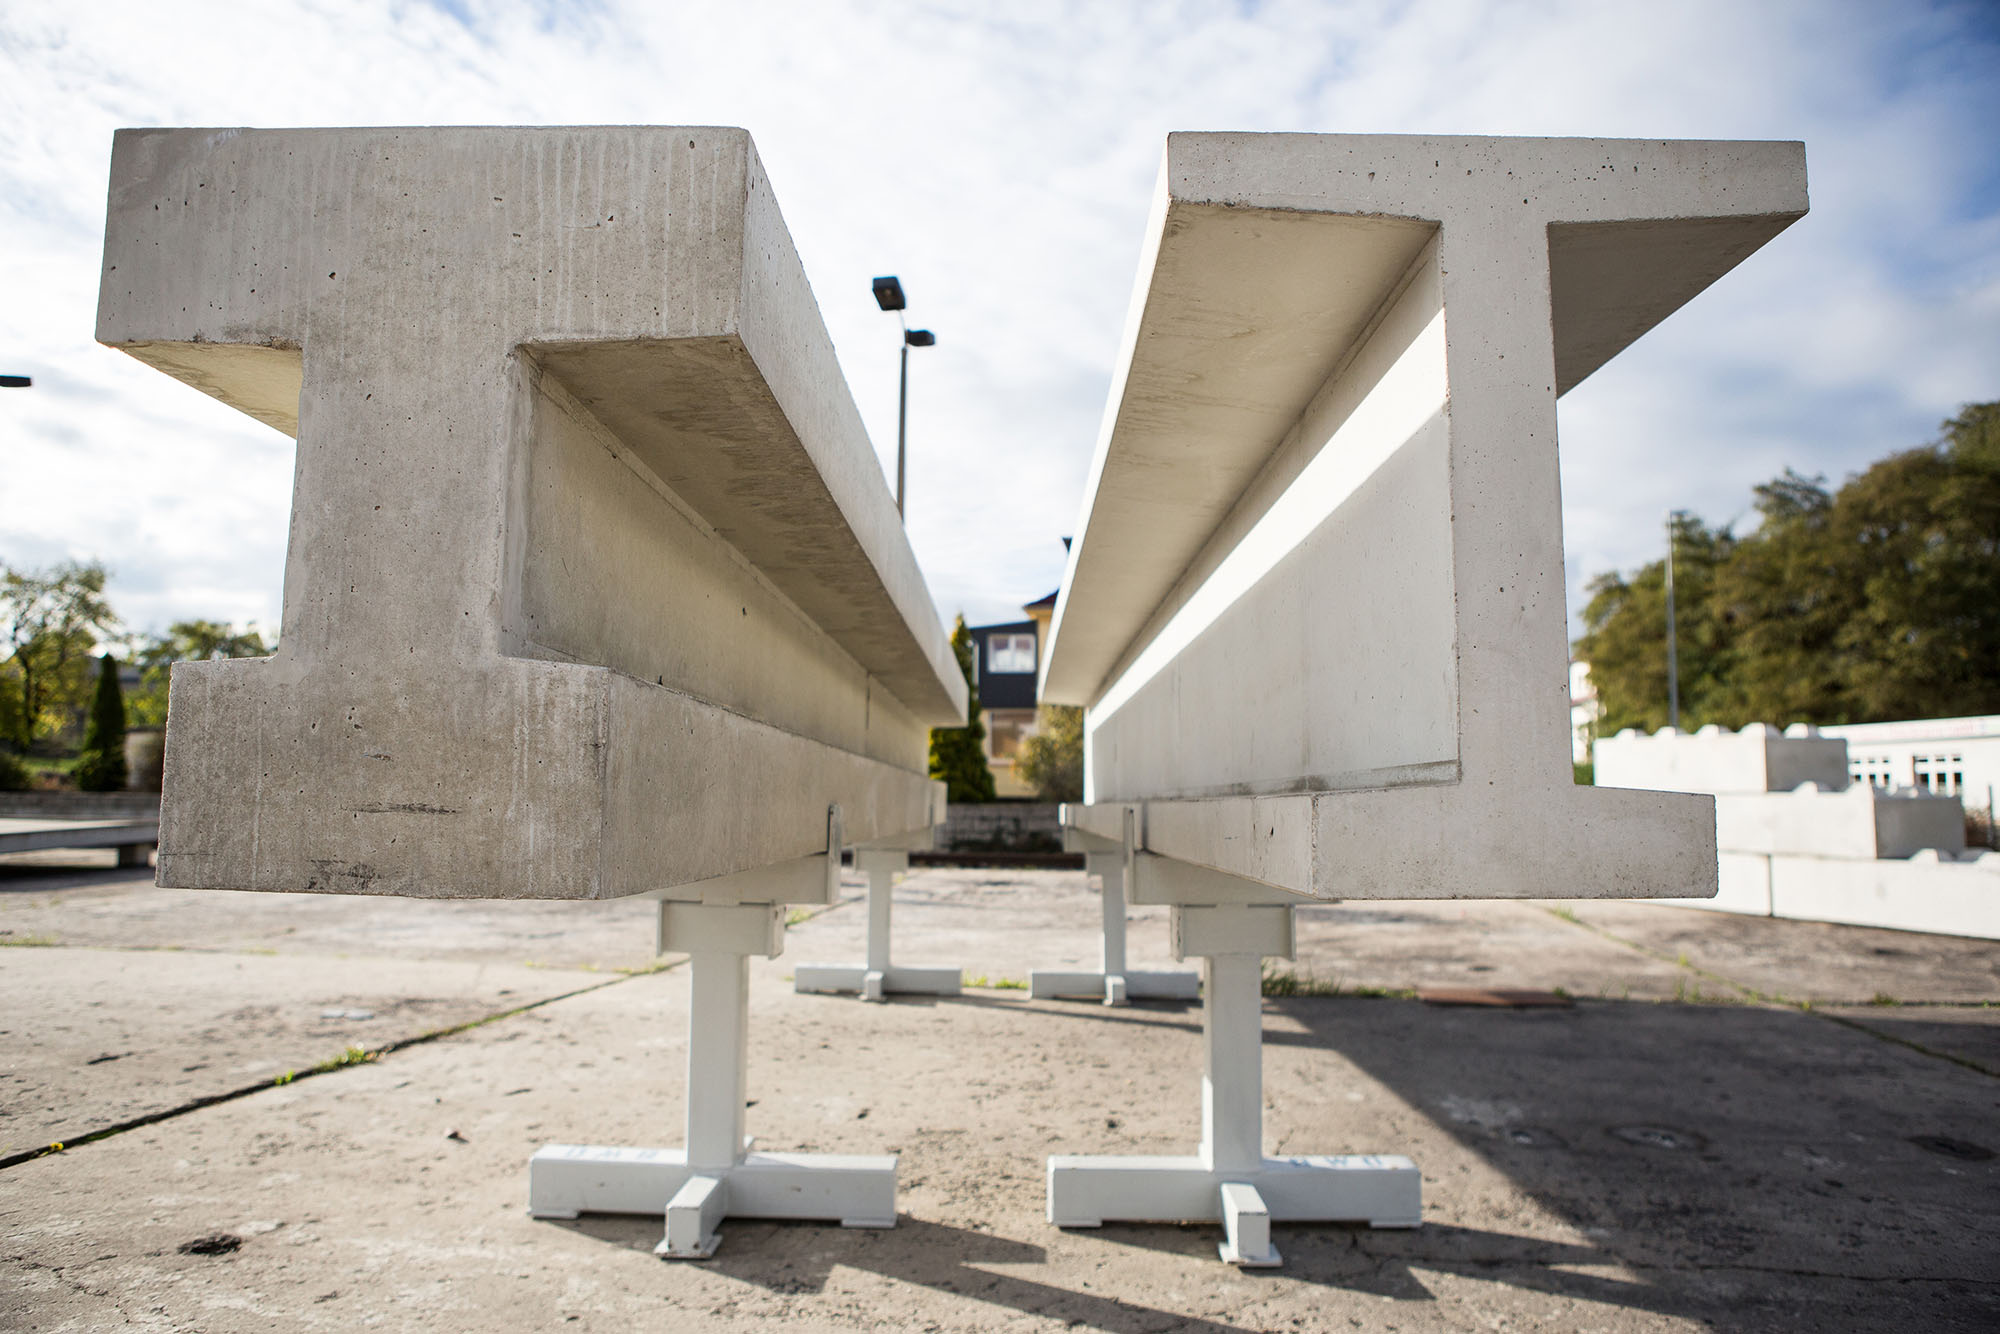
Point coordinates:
pixel 1010 653
pixel 1874 770
pixel 1006 729
pixel 1942 774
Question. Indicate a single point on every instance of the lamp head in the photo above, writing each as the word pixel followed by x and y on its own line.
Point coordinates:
pixel 889 293
pixel 920 338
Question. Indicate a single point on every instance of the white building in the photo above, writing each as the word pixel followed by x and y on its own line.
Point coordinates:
pixel 1951 756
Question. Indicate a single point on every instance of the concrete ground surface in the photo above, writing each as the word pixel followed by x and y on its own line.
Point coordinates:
pixel 1741 1124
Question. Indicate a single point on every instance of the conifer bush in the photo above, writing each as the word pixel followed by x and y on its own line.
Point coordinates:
pixel 101 766
pixel 957 757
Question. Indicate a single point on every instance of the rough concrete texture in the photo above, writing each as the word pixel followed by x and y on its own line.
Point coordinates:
pixel 1315 604
pixel 594 584
pixel 1633 1163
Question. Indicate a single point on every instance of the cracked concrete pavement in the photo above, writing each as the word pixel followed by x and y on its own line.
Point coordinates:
pixel 1741 1124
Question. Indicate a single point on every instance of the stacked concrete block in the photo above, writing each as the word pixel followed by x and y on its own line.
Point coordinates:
pixel 1759 758
pixel 1927 891
pixel 1861 821
pixel 1795 838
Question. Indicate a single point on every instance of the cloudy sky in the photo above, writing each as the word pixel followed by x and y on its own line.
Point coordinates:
pixel 1000 159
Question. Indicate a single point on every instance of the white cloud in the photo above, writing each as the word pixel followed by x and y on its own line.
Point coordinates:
pixel 1001 162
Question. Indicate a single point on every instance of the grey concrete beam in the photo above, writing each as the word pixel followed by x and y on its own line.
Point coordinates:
pixel 594 586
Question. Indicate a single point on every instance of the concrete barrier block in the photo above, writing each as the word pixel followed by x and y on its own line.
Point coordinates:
pixel 1861 822
pixel 1759 758
pixel 1948 898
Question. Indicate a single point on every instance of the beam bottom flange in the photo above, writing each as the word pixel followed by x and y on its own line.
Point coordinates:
pixel 875 983
pixel 854 1190
pixel 1381 1190
pixel 1114 988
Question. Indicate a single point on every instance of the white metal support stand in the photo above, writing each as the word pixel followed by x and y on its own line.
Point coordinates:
pixel 716 1175
pixel 878 978
pixel 1230 1180
pixel 1113 982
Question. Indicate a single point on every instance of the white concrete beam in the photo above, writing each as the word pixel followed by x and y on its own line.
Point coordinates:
pixel 1316 607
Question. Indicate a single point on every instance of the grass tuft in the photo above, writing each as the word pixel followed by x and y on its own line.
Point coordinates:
pixel 352 1056
pixel 1288 982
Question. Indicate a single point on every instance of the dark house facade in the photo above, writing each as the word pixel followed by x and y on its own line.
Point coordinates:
pixel 1006 659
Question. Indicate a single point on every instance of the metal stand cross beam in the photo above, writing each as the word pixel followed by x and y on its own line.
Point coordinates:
pixel 878 978
pixel 715 1175
pixel 1113 981
pixel 1229 1179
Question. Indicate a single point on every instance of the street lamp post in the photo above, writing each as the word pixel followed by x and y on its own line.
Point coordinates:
pixel 889 296
pixel 1673 656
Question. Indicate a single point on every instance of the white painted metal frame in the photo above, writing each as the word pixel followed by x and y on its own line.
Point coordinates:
pixel 715 1175
pixel 1113 982
pixel 879 978
pixel 1232 926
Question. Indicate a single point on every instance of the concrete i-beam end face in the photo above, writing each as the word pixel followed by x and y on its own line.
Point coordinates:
pixel 1316 606
pixel 594 585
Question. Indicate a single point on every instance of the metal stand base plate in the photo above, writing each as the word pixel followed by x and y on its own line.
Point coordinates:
pixel 1114 988
pixel 1381 1190
pixel 856 1190
pixel 876 983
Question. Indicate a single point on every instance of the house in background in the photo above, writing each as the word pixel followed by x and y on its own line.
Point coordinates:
pixel 1957 757
pixel 1006 658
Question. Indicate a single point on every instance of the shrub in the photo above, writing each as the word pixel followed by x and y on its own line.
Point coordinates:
pixel 101 766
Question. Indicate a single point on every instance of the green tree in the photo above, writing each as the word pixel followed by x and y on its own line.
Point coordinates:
pixel 101 765
pixel 957 754
pixel 185 641
pixel 1925 638
pixel 1625 635
pixel 1051 761
pixel 14 775
pixel 52 620
pixel 1785 598
pixel 1871 603
pixel 13 709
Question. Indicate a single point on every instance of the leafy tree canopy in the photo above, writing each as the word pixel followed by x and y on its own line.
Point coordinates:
pixel 184 641
pixel 957 755
pixel 1051 761
pixel 52 621
pixel 1867 604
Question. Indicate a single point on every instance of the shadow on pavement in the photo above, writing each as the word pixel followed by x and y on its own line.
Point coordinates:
pixel 930 1255
pixel 1724 1153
